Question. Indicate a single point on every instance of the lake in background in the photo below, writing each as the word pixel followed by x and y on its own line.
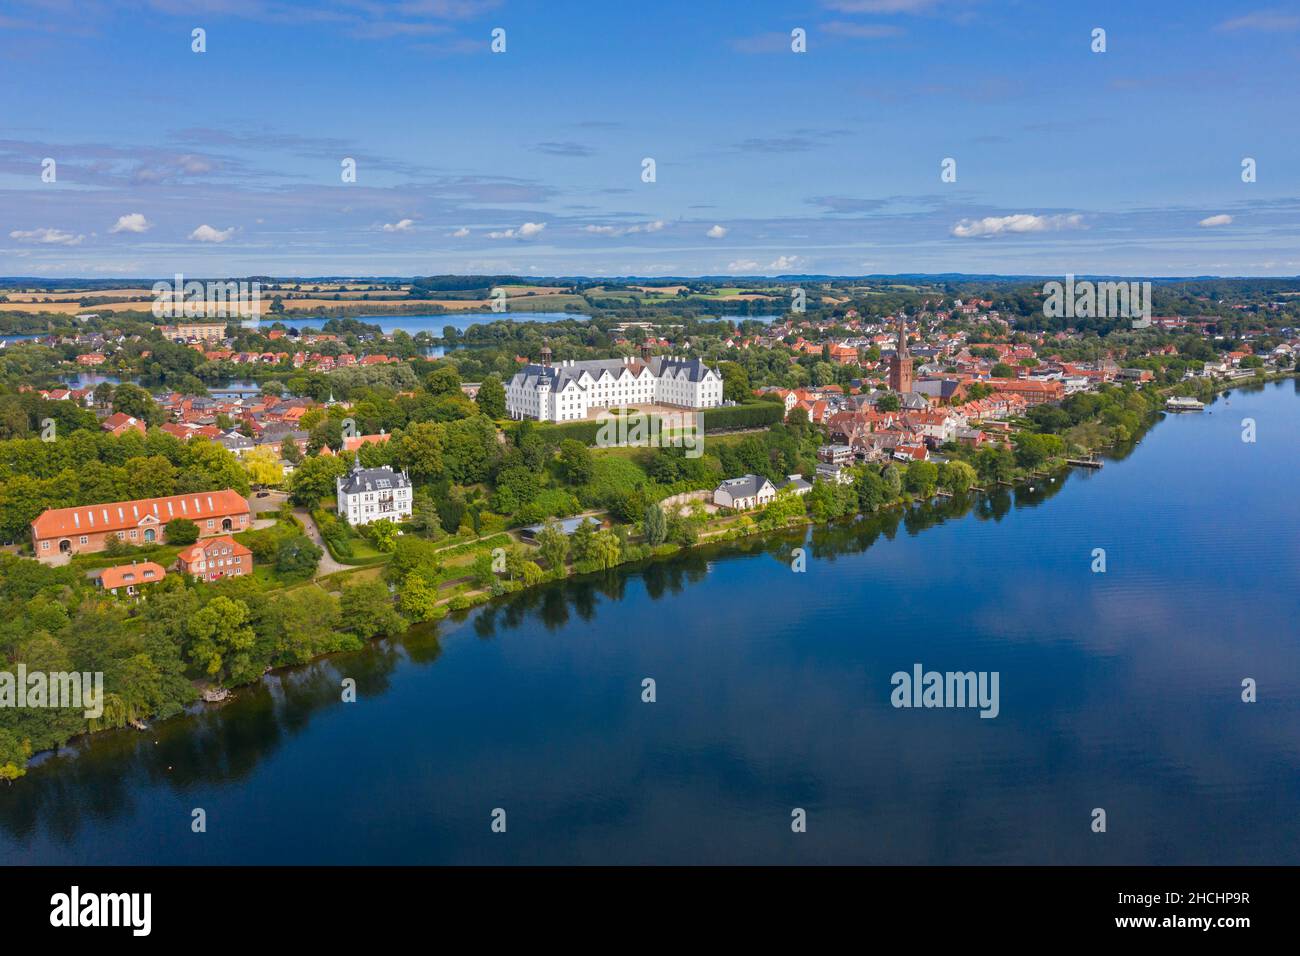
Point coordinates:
pixel 433 324
pixel 1119 690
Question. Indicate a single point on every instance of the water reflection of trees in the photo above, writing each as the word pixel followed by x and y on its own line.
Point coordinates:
pixel 97 782
pixel 94 780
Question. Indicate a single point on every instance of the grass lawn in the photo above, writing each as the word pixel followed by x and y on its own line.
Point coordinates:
pixel 163 554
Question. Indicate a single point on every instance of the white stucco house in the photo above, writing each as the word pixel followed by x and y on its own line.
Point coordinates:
pixel 748 491
pixel 372 494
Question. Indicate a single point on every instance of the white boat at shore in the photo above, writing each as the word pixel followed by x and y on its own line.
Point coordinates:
pixel 1181 403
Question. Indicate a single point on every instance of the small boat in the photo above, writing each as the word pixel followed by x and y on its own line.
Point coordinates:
pixel 1182 403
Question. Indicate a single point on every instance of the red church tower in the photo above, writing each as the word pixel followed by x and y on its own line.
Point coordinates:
pixel 900 368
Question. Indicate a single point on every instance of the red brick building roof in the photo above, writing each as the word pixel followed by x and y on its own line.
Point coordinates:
pixel 125 575
pixel 122 515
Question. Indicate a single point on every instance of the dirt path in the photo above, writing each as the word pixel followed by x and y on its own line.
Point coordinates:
pixel 327 563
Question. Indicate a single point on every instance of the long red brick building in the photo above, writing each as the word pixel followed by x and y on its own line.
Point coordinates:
pixel 86 529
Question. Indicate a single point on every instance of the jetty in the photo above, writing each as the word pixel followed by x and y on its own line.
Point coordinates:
pixel 1084 462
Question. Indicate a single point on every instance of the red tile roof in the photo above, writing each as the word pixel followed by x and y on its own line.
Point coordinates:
pixel 118 422
pixel 121 515
pixel 201 549
pixel 142 572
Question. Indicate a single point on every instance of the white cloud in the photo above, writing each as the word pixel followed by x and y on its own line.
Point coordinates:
pixel 47 237
pixel 742 265
pixel 625 230
pixel 526 231
pixel 879 6
pixel 785 263
pixel 717 232
pixel 460 233
pixel 1021 222
pixel 862 31
pixel 132 222
pixel 1219 220
pixel 194 165
pixel 402 225
pixel 206 233
pixel 1268 21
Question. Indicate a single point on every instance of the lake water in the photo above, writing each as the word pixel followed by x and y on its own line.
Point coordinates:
pixel 434 324
pixel 1119 690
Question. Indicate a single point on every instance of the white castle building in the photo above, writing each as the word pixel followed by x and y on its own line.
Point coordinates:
pixel 565 392
pixel 371 494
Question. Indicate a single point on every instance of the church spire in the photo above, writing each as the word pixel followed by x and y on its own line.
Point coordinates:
pixel 900 369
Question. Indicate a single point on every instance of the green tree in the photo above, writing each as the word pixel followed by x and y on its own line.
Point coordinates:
pixel 290 451
pixel 221 639
pixel 368 612
pixel 491 398
pixel 735 382
pixel 580 541
pixel 994 465
pixel 296 558
pixel 418 599
pixel 481 571
pixel 553 545
pixel 13 755
pixel 419 451
pixel 893 480
pixel 957 477
pixel 315 478
pixel 656 525
pixel 921 478
pixel 605 550
pixel 181 531
pixel 135 401
pixel 576 462
pixel 443 380
pixel 451 509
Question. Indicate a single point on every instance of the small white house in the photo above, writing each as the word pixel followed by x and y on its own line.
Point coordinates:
pixel 797 484
pixel 373 494
pixel 749 491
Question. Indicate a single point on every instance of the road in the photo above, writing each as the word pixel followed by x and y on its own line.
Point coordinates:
pixel 327 563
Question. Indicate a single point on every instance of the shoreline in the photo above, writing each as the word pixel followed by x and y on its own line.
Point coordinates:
pixel 472 601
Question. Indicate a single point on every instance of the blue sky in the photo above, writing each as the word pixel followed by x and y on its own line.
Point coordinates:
pixel 767 161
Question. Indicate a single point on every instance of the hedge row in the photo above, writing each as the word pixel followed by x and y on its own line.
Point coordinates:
pixel 756 415
pixel 727 418
pixel 587 431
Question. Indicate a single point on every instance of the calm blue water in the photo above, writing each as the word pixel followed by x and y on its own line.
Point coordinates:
pixel 1118 690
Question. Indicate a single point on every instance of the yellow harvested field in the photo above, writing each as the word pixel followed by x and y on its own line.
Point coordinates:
pixel 73 308
pixel 109 294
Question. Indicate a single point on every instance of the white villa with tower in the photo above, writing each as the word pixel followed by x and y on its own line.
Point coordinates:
pixel 373 494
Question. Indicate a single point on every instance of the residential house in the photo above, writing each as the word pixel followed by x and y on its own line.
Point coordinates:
pixel 741 494
pixel 129 578
pixel 214 559
pixel 373 494
pixel 119 424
